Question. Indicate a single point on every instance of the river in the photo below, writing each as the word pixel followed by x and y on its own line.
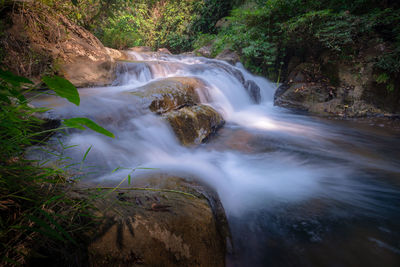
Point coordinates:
pixel 298 190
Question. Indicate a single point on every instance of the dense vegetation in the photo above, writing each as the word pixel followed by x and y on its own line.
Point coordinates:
pixel 266 33
pixel 120 24
pixel 36 214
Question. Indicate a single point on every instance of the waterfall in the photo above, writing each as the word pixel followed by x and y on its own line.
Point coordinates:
pixel 266 159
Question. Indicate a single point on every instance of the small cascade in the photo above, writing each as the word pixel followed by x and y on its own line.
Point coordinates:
pixel 132 73
pixel 266 165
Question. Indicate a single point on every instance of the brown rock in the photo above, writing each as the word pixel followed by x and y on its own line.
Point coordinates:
pixel 189 230
pixel 54 43
pixel 192 125
pixel 170 93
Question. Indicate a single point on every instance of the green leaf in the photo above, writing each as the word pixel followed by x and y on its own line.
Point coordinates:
pixel 79 123
pixel 15 80
pixel 63 88
pixel 74 2
pixel 129 179
pixel 86 153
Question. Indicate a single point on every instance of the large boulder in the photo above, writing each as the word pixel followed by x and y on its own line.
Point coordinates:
pixel 53 43
pixel 171 93
pixel 173 223
pixel 193 125
pixel 178 99
pixel 328 86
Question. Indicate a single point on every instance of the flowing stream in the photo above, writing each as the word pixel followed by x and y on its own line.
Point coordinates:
pixel 298 190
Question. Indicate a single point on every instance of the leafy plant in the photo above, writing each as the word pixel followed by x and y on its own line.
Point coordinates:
pixel 35 211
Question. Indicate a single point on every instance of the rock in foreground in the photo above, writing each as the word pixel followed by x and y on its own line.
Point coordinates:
pixel 150 228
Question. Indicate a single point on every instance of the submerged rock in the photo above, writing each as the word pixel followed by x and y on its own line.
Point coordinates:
pixel 192 125
pixel 160 228
pixel 253 90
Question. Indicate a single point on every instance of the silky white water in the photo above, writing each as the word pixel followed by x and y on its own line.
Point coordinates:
pixel 293 158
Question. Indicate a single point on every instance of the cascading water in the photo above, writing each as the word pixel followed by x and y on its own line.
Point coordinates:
pixel 297 190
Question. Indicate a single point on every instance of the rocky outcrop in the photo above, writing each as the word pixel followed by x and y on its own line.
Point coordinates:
pixel 192 125
pixel 37 40
pixel 336 88
pixel 169 94
pixel 183 224
pixel 178 100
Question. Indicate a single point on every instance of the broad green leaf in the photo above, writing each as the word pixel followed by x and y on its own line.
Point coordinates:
pixel 79 123
pixel 63 88
pixel 15 80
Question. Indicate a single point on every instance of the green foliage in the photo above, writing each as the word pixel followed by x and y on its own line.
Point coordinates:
pixel 79 123
pixel 121 24
pixel 63 88
pixel 35 212
pixel 203 40
pixel 265 31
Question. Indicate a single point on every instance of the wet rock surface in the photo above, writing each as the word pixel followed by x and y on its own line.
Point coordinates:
pixel 178 100
pixel 338 90
pixel 253 90
pixel 184 227
pixel 170 93
pixel 193 125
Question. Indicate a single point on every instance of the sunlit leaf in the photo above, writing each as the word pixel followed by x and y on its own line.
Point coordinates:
pixel 63 88
pixel 79 123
